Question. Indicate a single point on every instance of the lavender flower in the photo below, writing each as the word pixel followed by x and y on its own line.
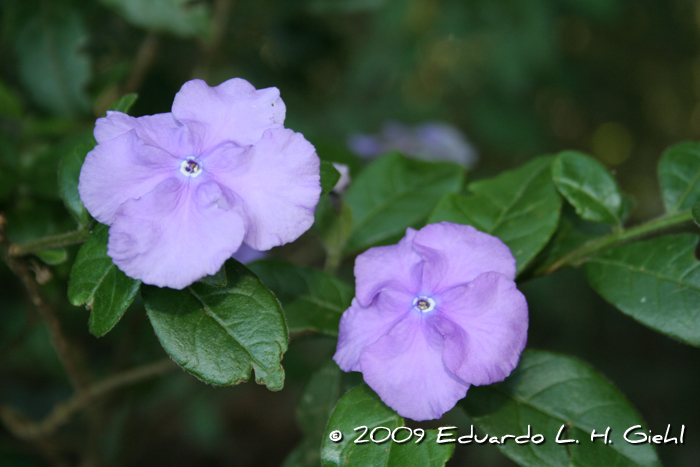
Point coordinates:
pixel 432 141
pixel 181 191
pixel 433 315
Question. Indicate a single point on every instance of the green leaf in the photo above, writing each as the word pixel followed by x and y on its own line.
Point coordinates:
pixel 329 177
pixel 219 333
pixel 179 17
pixel 53 256
pixel 124 103
pixel 315 407
pixel 53 64
pixel 696 213
pixel 312 299
pixel 362 407
pixel 571 234
pixel 521 207
pixel 547 391
pixel 333 223
pixel 218 280
pixel 68 174
pixel 679 176
pixel 394 193
pixel 96 282
pixel 656 282
pixel 589 187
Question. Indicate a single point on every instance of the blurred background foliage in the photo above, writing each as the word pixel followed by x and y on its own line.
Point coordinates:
pixel 619 79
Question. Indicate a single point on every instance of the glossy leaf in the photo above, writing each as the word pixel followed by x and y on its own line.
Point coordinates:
pixel 312 299
pixel 96 282
pixel 521 207
pixel 571 234
pixel 362 407
pixel 177 17
pixel 218 280
pixel 589 187
pixel 329 177
pixel 679 176
pixel 68 175
pixel 394 193
pixel 53 64
pixel 657 282
pixel 219 333
pixel 124 103
pixel 547 391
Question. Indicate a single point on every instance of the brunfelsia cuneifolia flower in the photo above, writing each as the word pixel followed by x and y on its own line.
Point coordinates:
pixel 182 190
pixel 433 315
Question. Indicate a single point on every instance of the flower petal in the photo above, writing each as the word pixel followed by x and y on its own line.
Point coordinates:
pixel 362 326
pixel 407 372
pixel 121 169
pixel 246 254
pixel 232 111
pixel 493 313
pixel 393 266
pixel 160 130
pixel 278 181
pixel 177 234
pixel 456 254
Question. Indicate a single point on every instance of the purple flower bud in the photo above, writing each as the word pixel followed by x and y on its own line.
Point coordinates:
pixel 182 191
pixel 431 141
pixel 431 316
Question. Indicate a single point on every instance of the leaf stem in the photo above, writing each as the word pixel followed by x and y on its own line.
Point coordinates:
pixel 52 241
pixel 63 412
pixel 579 255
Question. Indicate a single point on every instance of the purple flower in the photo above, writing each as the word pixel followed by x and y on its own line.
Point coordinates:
pixel 431 141
pixel 246 254
pixel 181 191
pixel 433 315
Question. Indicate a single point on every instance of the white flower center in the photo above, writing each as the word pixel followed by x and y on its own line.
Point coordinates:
pixel 191 167
pixel 424 304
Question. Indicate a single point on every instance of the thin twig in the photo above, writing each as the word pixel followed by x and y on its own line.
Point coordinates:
pixel 210 49
pixel 64 412
pixel 23 271
pixel 145 57
pixel 29 323
pixel 52 241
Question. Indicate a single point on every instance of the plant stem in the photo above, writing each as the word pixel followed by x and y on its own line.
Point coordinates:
pixel 63 412
pixel 22 270
pixel 145 57
pixel 579 255
pixel 52 241
pixel 220 16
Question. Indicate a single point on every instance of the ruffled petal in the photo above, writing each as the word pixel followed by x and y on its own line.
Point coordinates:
pixel 362 326
pixel 393 266
pixel 232 111
pixel 160 130
pixel 120 169
pixel 278 180
pixel 456 254
pixel 177 234
pixel 493 314
pixel 405 369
